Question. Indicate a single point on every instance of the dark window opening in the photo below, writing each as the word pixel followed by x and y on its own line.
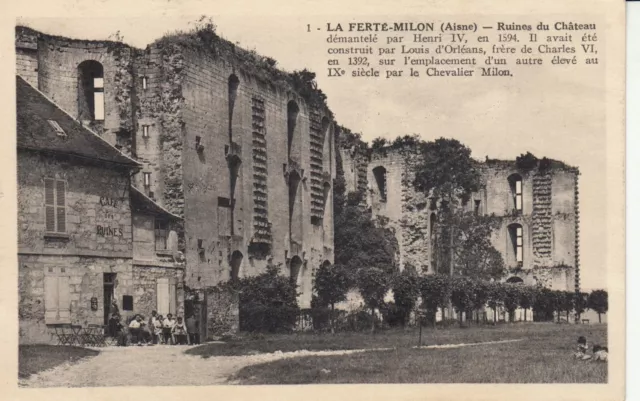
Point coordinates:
pixel 515 185
pixel 224 202
pixel 127 302
pixel 161 231
pixel 292 116
pixel 476 207
pixel 91 91
pixel 516 235
pixel 380 174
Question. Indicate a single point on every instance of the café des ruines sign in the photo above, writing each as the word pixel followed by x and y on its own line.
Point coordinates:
pixel 107 231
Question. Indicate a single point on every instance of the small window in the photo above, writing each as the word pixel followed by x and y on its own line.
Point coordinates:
pixel 516 234
pixel 59 131
pixel 145 131
pixel 200 245
pixel 55 205
pixel 144 83
pixel 127 302
pixel 224 202
pixel 476 207
pixel 161 231
pixel 380 174
pixel 98 98
pixel 147 179
pixel 515 184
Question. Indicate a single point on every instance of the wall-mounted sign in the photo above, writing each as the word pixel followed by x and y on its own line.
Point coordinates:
pixel 94 304
pixel 106 201
pixel 109 231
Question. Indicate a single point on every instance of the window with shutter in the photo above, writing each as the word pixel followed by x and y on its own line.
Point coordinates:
pixel 163 296
pixel 57 299
pixel 55 205
pixel 173 298
pixel 161 232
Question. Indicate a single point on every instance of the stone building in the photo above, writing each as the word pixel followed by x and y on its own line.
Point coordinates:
pixel 83 232
pixel 537 207
pixel 242 152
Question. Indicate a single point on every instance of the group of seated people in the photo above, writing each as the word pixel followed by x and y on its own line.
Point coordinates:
pixel 157 330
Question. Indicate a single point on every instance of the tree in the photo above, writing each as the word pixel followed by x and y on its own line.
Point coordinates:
pixel 373 284
pixel 480 297
pixel 495 298
pixel 446 172
pixel 473 253
pixel 527 299
pixel 435 291
pixel 331 284
pixel 511 298
pixel 567 303
pixel 462 293
pixel 267 302
pixel 406 289
pixel 580 303
pixel 544 305
pixel 599 301
pixel 362 242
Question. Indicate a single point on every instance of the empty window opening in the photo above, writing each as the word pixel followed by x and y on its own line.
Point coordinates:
pixel 233 83
pixel 145 131
pixel 144 82
pixel 515 280
pixel 515 184
pixel 55 205
pixel 91 91
pixel 235 263
pixel 516 234
pixel 476 207
pixel 294 269
pixel 161 231
pixel 147 179
pixel 292 116
pixel 380 174
pixel 59 131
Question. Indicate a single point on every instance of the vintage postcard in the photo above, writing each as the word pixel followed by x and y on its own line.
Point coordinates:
pixel 324 200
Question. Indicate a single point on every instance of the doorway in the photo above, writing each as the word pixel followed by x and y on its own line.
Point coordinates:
pixel 109 282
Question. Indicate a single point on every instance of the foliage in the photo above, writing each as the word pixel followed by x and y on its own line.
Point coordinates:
pixel 496 295
pixel 362 242
pixel 331 284
pixel 378 143
pixel 512 297
pixel 373 284
pixel 406 290
pixel 544 305
pixel 267 302
pixel 435 291
pixel 446 171
pixel 474 254
pixel 581 302
pixel 462 294
pixel 527 298
pixel 599 301
pixel 526 162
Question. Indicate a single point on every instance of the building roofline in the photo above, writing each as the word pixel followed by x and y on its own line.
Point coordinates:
pixel 133 163
pixel 162 209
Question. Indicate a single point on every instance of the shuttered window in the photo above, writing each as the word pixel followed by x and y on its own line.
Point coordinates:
pixel 57 302
pixel 161 232
pixel 166 296
pixel 55 202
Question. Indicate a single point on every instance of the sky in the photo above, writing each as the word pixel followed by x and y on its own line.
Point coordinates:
pixel 553 112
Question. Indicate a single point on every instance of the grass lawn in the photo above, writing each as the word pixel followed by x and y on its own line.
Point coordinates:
pixel 39 357
pixel 545 356
pixel 248 344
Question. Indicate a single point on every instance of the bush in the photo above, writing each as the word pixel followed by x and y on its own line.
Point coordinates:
pixel 267 302
pixel 394 315
pixel 406 289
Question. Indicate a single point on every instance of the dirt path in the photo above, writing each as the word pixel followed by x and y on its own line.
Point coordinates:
pixel 163 366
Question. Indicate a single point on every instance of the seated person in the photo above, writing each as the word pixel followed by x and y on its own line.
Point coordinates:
pixel 167 329
pixel 134 330
pixel 600 353
pixel 180 331
pixel 116 330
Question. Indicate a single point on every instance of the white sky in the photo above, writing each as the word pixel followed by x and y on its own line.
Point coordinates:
pixel 557 113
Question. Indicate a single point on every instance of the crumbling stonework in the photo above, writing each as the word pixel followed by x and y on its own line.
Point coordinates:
pixel 209 123
pixel 549 217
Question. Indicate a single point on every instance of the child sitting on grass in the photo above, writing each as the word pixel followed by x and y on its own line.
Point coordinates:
pixel 600 353
pixel 582 349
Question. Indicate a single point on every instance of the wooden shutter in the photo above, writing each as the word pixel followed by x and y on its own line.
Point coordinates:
pixel 163 296
pixel 49 202
pixel 51 301
pixel 64 301
pixel 173 299
pixel 61 214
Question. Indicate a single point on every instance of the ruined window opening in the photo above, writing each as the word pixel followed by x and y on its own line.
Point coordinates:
pixel 380 174
pixel 476 207
pixel 235 263
pixel 55 205
pixel 145 131
pixel 516 233
pixel 292 116
pixel 224 202
pixel 144 82
pixel 161 230
pixel 515 280
pixel 233 83
pixel 515 184
pixel 91 90
pixel 147 179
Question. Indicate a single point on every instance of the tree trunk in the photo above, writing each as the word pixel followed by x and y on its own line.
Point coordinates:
pixel 373 320
pixel 331 319
pixel 495 315
pixel 599 318
pixel 525 314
